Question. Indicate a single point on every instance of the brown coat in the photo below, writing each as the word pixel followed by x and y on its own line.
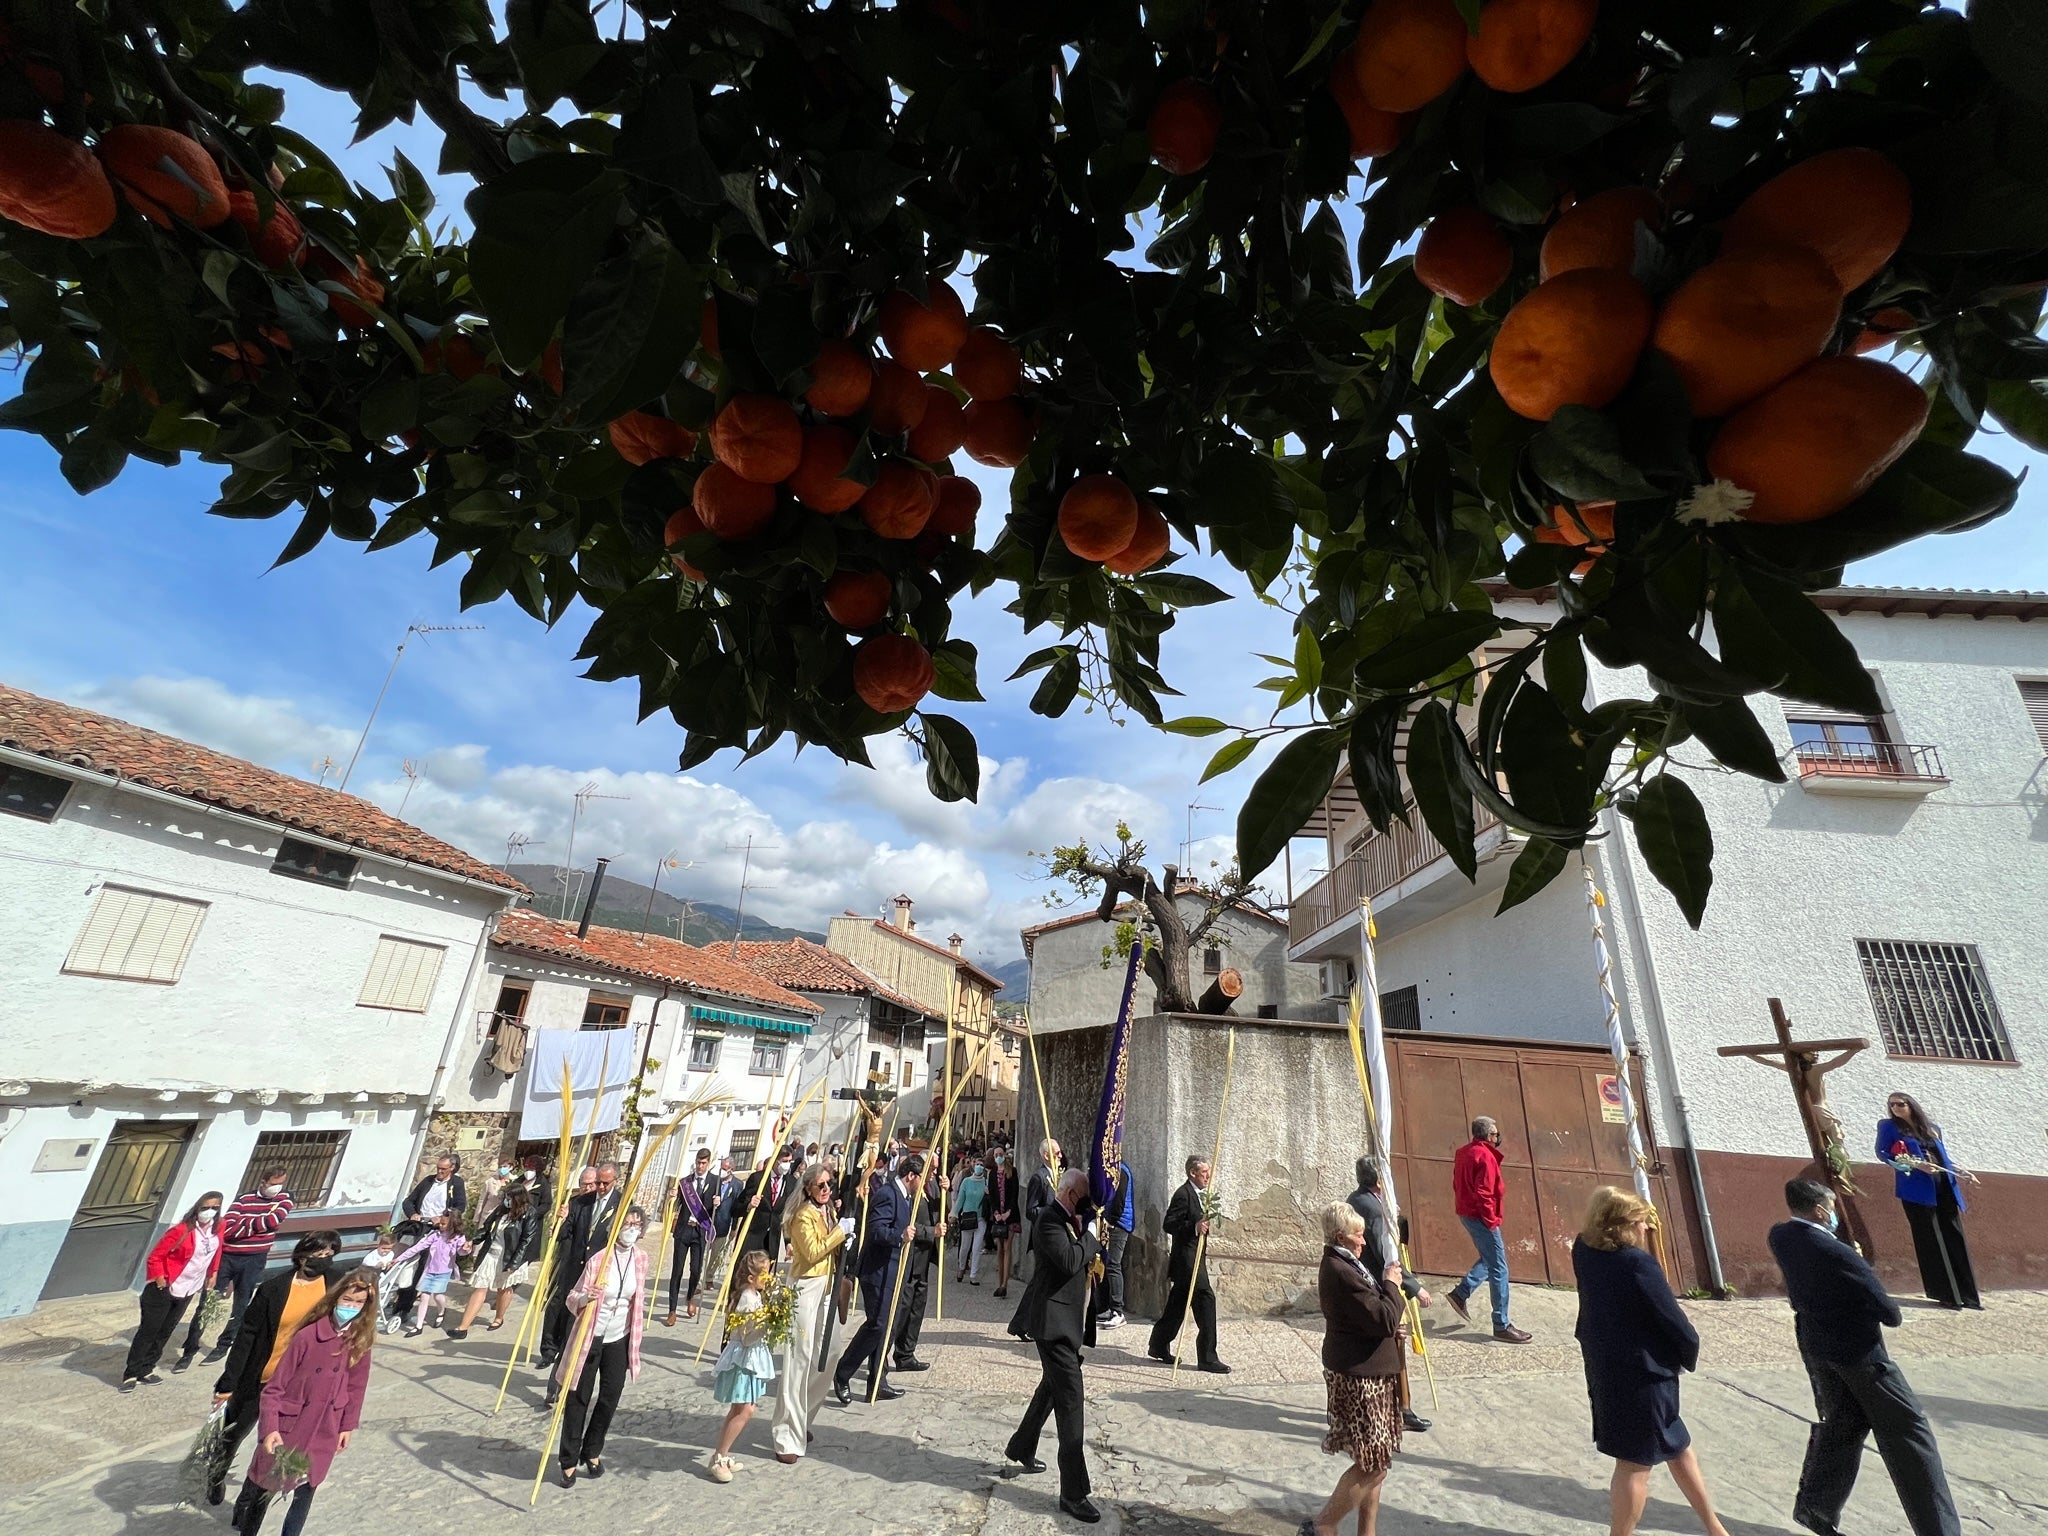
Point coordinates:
pixel 1361 1317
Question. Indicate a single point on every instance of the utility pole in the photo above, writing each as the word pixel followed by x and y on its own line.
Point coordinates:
pixel 584 796
pixel 739 917
pixel 410 631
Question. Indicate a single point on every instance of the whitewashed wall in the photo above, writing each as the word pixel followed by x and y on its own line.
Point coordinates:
pixel 559 992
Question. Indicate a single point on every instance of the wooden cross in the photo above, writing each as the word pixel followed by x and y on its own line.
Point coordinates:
pixel 1800 1060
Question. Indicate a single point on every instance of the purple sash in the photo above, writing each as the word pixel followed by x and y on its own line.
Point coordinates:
pixel 689 1189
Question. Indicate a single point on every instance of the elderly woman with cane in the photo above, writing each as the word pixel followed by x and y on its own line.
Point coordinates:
pixel 814 1238
pixel 1362 1314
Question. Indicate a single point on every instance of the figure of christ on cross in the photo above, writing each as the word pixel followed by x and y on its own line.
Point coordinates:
pixel 1802 1062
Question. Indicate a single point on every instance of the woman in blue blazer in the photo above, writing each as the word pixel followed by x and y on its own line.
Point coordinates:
pixel 1926 1183
pixel 1635 1340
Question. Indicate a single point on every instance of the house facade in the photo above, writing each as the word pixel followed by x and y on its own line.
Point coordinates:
pixel 216 969
pixel 1893 889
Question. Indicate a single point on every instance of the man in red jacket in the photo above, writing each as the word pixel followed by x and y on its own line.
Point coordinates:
pixel 1476 1181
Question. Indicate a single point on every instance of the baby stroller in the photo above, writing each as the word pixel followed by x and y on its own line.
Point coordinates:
pixel 398 1287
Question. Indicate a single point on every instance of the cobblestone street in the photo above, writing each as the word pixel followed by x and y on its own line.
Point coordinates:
pixel 1510 1451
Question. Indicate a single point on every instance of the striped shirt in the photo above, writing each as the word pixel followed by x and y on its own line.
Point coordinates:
pixel 249 1226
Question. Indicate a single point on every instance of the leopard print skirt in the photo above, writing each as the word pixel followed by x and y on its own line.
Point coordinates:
pixel 1365 1419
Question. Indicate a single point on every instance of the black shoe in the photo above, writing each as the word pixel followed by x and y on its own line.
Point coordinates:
pixel 1819 1525
pixel 216 1487
pixel 218 1352
pixel 545 1362
pixel 568 1477
pixel 458 1333
pixel 1414 1422
pixel 1163 1359
pixel 886 1393
pixel 840 1394
pixel 593 1468
pixel 1214 1367
pixel 1001 1292
pixel 1081 1510
pixel 184 1363
pixel 911 1363
pixel 128 1384
pixel 554 1396
pixel 1024 1463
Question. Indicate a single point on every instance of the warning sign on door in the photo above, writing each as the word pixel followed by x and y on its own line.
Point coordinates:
pixel 1611 1109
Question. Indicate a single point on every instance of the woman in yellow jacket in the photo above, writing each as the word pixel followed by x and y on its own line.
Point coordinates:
pixel 814 1236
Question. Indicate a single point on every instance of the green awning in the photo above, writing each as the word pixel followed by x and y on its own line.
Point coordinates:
pixel 753 1021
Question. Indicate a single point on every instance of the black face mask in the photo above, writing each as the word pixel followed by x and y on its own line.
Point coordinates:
pixel 317 1268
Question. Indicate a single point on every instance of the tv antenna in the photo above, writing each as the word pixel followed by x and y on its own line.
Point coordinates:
pixel 412 768
pixel 321 769
pixel 666 861
pixel 1188 843
pixel 410 631
pixel 515 845
pixel 584 796
pixel 739 916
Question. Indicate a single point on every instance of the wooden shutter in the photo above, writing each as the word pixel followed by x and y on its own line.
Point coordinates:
pixel 402 975
pixel 2034 694
pixel 136 935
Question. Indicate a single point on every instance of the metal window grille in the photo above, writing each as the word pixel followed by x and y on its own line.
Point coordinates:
pixel 1212 962
pixel 310 1160
pixel 2034 694
pixel 1401 1009
pixel 742 1149
pixel 1933 1000
pixel 24 792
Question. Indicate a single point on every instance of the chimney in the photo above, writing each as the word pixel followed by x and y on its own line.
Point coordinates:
pixel 953 942
pixel 899 917
pixel 590 901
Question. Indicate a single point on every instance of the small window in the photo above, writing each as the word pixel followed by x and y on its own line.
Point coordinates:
pixel 1933 1001
pixel 402 975
pixel 310 1159
pixel 909 1070
pixel 24 792
pixel 766 1060
pixel 1400 1009
pixel 1212 961
pixel 704 1045
pixel 304 861
pixel 2033 694
pixel 741 1150
pixel 602 1011
pixel 136 936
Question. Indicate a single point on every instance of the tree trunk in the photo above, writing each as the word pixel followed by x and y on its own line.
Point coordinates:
pixel 1225 990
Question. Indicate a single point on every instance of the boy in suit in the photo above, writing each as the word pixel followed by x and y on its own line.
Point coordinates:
pixel 1054 1315
pixel 892 1226
pixel 1186 1225
pixel 1840 1309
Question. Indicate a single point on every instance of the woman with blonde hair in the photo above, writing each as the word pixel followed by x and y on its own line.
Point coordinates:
pixel 312 1403
pixel 1362 1315
pixel 814 1237
pixel 1635 1340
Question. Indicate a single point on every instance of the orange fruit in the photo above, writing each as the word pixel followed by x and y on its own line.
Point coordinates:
pixel 899 503
pixel 1816 442
pixel 998 433
pixel 278 240
pixel 1599 231
pixel 988 367
pixel 1573 341
pixel 1408 53
pixel 1183 127
pixel 924 337
pixel 891 673
pixel 550 366
pixel 840 380
pixel 1148 545
pixel 758 438
pixel 953 513
pixel 1851 205
pixel 1741 323
pixel 641 438
pixel 816 482
pixel 1884 328
pixel 707 327
pixel 52 183
pixel 682 523
pixel 1522 43
pixel 356 280
pixel 938 432
pixel 858 599
pixel 1373 132
pixel 1587 525
pixel 1463 256
pixel 1098 517
pixel 458 356
pixel 898 400
pixel 167 175
pixel 732 507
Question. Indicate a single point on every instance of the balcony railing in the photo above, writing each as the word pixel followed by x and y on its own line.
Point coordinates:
pixel 1380 864
pixel 1871 760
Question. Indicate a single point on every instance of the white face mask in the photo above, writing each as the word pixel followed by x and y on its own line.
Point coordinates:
pixel 629 1238
pixel 273 1189
pixel 206 1216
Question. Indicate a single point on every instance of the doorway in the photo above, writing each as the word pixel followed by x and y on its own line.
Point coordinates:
pixel 122 1207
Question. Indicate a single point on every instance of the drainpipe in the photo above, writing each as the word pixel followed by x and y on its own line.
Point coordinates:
pixel 1659 1031
pixel 463 1005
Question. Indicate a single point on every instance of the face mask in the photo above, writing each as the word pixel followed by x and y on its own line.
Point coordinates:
pixel 504 1173
pixel 344 1315
pixel 630 1238
pixel 315 1269
pixel 1834 1220
pixel 206 1215
pixel 273 1189
pixel 783 1166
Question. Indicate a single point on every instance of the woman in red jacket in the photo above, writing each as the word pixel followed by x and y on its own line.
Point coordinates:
pixel 181 1265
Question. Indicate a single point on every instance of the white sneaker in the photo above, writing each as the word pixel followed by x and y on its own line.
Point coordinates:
pixel 1110 1320
pixel 721 1469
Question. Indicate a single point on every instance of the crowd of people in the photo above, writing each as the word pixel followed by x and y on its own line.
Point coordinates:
pixel 784 1252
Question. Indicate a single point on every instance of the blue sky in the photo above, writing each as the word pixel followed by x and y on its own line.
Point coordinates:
pixel 135 602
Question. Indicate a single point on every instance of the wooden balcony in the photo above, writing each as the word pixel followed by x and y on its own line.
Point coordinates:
pixel 1383 862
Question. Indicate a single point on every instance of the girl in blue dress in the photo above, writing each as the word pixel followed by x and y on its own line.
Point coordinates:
pixel 746 1365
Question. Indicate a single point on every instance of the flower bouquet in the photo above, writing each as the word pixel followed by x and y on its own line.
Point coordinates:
pixel 776 1318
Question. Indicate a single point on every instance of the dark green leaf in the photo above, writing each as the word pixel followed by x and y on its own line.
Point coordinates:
pixel 953 668
pixel 1431 645
pixel 1193 725
pixel 1579 455
pixel 1770 629
pixel 1056 690
pixel 2022 409
pixel 1375 732
pixel 952 764
pixel 1438 784
pixel 1671 829
pixel 1283 797
pixel 1228 756
pixel 628 332
pixel 1545 767
pixel 1539 863
pixel 1733 734
pixel 1180 591
pixel 540 228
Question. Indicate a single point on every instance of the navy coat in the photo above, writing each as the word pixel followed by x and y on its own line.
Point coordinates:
pixel 1631 1327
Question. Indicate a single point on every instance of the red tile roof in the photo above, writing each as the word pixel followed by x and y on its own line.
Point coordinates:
pixel 962 961
pixel 78 738
pixel 807 966
pixel 644 957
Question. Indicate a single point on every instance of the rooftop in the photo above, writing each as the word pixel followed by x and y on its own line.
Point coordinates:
pixel 99 744
pixel 1927 602
pixel 806 966
pixel 962 961
pixel 649 957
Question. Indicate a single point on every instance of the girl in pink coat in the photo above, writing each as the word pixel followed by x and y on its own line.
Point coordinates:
pixel 604 1347
pixel 312 1403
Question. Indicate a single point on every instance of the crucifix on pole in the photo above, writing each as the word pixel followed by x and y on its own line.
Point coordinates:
pixel 1800 1060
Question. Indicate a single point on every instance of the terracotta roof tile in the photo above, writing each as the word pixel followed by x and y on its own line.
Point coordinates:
pixel 78 738
pixel 939 949
pixel 644 957
pixel 803 965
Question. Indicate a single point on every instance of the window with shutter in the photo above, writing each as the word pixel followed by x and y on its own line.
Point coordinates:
pixel 136 935
pixel 402 975
pixel 2034 694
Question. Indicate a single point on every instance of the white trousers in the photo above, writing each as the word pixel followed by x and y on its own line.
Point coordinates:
pixel 970 1263
pixel 801 1386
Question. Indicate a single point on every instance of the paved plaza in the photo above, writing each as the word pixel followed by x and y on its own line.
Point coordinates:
pixel 1238 1455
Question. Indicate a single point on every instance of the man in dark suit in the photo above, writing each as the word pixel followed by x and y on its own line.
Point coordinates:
pixel 440 1192
pixel 1186 1225
pixel 1039 1192
pixel 1383 1247
pixel 766 1190
pixel 1840 1309
pixel 586 1227
pixel 891 1228
pixel 917 1274
pixel 696 1208
pixel 1054 1316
